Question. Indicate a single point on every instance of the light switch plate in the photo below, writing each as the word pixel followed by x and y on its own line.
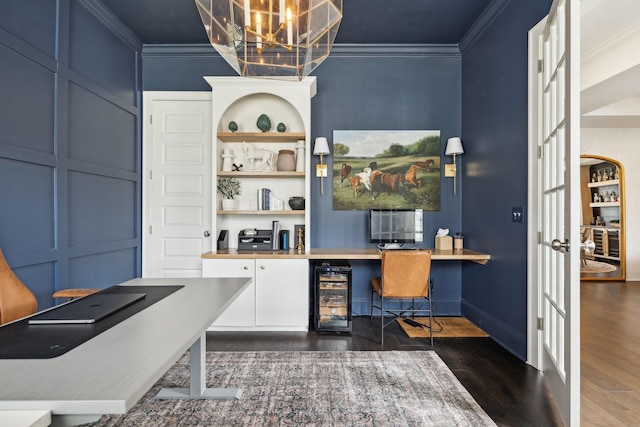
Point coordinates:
pixel 516 214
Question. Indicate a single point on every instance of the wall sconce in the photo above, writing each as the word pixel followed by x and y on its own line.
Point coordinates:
pixel 454 147
pixel 321 148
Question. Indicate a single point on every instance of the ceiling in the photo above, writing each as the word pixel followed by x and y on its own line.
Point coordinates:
pixel 404 21
pixel 610 69
pixel 613 102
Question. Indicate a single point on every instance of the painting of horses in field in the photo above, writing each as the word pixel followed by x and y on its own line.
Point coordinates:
pixel 386 169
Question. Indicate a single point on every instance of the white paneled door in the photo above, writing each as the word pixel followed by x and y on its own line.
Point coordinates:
pixel 177 172
pixel 557 137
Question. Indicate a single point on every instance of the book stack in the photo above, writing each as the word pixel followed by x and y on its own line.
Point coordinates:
pixel 279 237
pixel 267 201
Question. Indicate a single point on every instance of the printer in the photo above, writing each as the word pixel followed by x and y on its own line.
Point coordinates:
pixel 251 239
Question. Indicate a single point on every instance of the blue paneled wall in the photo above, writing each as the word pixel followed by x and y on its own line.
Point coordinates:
pixel 69 146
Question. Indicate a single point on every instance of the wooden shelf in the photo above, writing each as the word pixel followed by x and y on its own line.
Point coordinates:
pixel 604 183
pixel 264 212
pixel 261 136
pixel 262 174
pixel 604 204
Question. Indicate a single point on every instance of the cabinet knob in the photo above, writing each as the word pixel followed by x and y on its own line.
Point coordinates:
pixel 262 267
pixel 246 267
pixel 207 234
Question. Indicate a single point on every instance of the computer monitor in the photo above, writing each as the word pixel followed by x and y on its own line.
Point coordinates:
pixel 392 228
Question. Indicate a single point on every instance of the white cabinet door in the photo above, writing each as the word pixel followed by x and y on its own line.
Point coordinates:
pixel 241 312
pixel 282 293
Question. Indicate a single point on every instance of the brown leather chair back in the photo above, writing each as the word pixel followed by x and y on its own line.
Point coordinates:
pixel 405 274
pixel 16 300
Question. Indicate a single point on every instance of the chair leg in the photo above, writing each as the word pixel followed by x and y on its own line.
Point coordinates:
pixel 371 307
pixel 381 320
pixel 431 311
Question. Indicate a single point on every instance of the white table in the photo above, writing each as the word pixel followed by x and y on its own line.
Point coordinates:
pixel 111 372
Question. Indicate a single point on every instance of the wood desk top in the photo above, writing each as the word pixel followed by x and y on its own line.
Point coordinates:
pixel 346 253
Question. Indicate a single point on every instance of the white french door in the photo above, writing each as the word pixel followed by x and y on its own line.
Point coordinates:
pixel 557 138
pixel 177 222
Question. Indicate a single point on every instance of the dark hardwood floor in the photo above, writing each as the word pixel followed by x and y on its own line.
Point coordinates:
pixel 510 391
pixel 610 353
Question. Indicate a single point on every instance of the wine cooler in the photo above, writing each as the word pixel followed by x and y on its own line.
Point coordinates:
pixel 332 296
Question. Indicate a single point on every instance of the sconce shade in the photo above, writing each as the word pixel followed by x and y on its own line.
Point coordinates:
pixel 321 146
pixel 454 146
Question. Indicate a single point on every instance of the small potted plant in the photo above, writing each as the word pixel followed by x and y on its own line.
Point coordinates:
pixel 230 189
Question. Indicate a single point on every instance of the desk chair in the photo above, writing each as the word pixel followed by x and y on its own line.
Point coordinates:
pixel 17 301
pixel 404 276
pixel 586 233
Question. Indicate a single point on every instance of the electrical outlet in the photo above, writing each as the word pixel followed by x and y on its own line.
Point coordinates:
pixel 516 214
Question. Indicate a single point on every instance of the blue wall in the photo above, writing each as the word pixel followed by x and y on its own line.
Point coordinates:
pixel 69 146
pixel 494 133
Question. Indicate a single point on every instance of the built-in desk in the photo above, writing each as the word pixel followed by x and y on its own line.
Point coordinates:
pixel 277 299
pixel 346 253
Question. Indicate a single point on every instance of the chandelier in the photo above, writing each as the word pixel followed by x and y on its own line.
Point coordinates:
pixel 272 38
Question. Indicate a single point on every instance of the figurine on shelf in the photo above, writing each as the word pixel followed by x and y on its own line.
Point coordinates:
pixel 257 158
pixel 227 157
pixel 617 175
pixel 605 175
pixel 300 244
pixel 599 175
pixel 607 197
pixel 593 177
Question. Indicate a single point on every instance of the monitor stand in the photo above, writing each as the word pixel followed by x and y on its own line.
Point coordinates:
pixel 390 246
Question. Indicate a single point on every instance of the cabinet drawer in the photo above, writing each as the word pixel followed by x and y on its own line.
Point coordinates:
pixel 229 268
pixel 333 311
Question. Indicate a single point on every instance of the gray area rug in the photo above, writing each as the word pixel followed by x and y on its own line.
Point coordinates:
pixel 390 388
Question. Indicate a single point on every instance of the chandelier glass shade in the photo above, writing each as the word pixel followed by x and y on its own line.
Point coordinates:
pixel 271 38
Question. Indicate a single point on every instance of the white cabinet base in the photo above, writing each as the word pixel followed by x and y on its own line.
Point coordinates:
pixel 277 300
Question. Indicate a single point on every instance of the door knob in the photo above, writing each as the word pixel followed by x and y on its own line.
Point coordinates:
pixel 207 234
pixel 588 245
pixel 557 245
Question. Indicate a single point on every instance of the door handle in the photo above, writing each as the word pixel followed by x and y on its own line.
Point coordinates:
pixel 588 245
pixel 207 234
pixel 557 245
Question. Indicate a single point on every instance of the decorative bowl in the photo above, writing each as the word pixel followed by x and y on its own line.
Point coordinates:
pixel 296 203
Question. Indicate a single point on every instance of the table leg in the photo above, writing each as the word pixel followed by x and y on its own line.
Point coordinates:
pixel 197 379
